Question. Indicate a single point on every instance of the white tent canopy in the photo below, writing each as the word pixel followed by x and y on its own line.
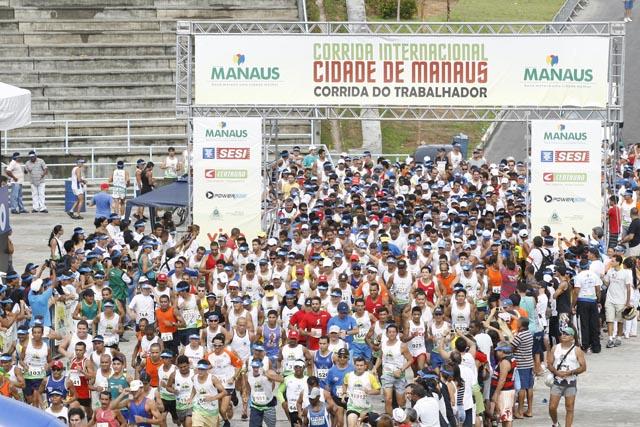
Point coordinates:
pixel 15 107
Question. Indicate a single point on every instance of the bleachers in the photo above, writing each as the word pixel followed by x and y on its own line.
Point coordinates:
pixel 106 59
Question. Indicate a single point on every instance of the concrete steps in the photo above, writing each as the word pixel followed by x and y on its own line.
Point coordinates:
pixel 107 59
pixel 45 63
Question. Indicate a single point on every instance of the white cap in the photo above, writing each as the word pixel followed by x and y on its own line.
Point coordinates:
pixel 334 328
pixel 36 285
pixel 399 415
pixel 314 393
pixel 276 275
pixel 327 262
pixel 494 172
pixel 136 385
pixel 504 180
pixel 223 278
pixel 272 242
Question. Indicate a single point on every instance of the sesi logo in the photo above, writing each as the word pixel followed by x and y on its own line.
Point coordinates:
pixel 228 153
pixel 572 156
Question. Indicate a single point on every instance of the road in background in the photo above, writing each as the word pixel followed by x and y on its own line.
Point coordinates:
pixel 509 138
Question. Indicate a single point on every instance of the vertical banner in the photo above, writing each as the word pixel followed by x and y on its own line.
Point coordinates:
pixel 227 176
pixel 566 189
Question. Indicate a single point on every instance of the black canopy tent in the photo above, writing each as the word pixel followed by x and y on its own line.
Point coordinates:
pixel 171 195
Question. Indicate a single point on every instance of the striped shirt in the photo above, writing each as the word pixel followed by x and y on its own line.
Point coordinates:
pixel 523 341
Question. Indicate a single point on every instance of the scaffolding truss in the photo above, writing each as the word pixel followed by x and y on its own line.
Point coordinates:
pixel 613 113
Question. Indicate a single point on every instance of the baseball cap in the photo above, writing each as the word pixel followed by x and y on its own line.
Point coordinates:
pixel 256 363
pixel 57 364
pixel 299 363
pixel 343 307
pixel 293 335
pixel 334 329
pixel 162 277
pixel 568 331
pixel 399 415
pixel 135 385
pixel 98 338
pixel 167 354
pixel 314 393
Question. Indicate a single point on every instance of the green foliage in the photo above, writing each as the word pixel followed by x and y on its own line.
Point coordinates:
pixel 388 9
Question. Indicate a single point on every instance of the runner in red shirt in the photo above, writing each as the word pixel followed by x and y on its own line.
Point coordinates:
pixel 314 324
pixel 296 320
pixel 374 300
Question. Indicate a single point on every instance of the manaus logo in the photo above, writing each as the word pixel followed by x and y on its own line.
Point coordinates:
pixel 553 73
pixel 560 134
pixel 238 59
pixel 240 71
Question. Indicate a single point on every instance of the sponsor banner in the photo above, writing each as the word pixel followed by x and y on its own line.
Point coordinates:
pixel 566 189
pixel 227 176
pixel 372 70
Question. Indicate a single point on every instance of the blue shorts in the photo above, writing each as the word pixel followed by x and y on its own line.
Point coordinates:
pixel 360 350
pixel 538 343
pixel 628 4
pixel 436 360
pixel 526 378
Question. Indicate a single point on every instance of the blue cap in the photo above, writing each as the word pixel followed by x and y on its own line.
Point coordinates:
pixel 166 354
pixel 258 347
pixel 256 364
pixel 343 307
pixel 204 366
pixel 12 275
pixel 98 338
pixel 194 337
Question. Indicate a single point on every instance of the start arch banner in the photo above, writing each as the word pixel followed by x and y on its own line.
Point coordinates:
pixel 402 70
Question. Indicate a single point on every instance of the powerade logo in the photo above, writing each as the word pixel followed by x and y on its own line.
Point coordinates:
pixel 549 199
pixel 226 173
pixel 240 71
pixel 561 135
pixel 564 177
pixel 553 72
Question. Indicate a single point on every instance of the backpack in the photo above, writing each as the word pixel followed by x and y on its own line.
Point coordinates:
pixel 547 260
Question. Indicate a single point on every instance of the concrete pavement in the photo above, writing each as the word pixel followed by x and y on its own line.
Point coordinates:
pixel 509 138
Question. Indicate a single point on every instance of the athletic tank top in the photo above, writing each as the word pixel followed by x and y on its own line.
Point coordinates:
pixel 460 317
pixel 203 390
pixel 163 379
pixel 63 413
pixel 190 312
pixel 319 418
pixel 392 358
pixel 322 364
pixel 108 328
pixel 364 325
pixel 183 386
pixel 261 391
pixel 89 311
pixel 106 418
pixel 241 345
pixel 287 313
pixel 79 379
pixel 194 354
pixel 271 340
pixel 59 385
pixel 570 362
pixel 416 345
pixel 289 356
pixel 209 335
pixel 36 361
pixel 402 288
pixel 116 385
pixel 138 409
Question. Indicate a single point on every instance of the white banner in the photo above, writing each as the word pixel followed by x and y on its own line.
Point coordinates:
pixel 566 188
pixel 227 176
pixel 396 70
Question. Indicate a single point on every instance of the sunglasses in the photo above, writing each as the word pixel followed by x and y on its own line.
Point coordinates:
pixel 56 369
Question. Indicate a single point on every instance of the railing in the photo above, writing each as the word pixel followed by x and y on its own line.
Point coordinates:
pixel 567 10
pixel 69 129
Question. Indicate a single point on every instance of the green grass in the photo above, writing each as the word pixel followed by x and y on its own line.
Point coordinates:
pixel 504 10
pixel 403 137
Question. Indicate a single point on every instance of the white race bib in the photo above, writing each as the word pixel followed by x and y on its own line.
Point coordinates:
pixel 36 371
pixel 291 404
pixel 260 398
pixel 166 336
pixel 74 376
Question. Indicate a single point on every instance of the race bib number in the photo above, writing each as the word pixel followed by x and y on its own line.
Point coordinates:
pixel 166 336
pixel 74 376
pixel 495 289
pixel 322 374
pixel 190 317
pixel 36 371
pixel 102 424
pixel 291 405
pixel 316 332
pixel 182 400
pixel 358 398
pixel 418 345
pixel 260 398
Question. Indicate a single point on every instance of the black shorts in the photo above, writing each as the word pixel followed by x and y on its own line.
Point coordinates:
pixel 31 385
pixel 341 403
pixel 170 407
pixel 293 418
pixel 85 402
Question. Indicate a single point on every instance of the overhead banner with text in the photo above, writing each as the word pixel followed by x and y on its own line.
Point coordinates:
pixel 565 189
pixel 227 176
pixel 396 70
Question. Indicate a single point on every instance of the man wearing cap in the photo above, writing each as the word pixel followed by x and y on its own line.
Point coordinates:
pixel 396 359
pixel 206 395
pixel 290 389
pixel 142 305
pixel 565 362
pixel 262 400
pixel 34 359
pixel 37 170
pixel 586 294
pixel 346 324
pixel 503 385
pixel 15 172
pixel 316 414
pixel 140 410
pixel 227 367
pixel 103 201
pixel 293 351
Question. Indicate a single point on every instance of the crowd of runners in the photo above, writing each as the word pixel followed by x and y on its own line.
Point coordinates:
pixel 416 284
